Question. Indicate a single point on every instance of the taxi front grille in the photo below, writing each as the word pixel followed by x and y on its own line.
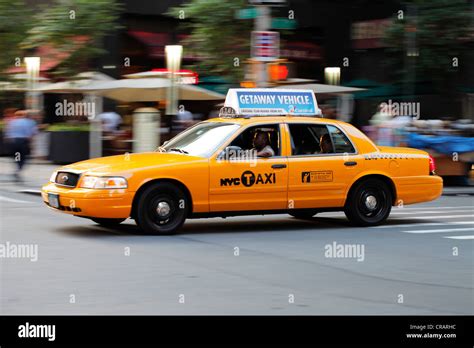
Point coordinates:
pixel 64 207
pixel 67 179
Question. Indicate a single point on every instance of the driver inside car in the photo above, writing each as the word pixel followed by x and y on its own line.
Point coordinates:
pixel 261 144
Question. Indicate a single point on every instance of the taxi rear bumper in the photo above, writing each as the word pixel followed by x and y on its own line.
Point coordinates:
pixel 417 189
pixel 105 203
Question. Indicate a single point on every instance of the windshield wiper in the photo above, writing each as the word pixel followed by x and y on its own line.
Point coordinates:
pixel 179 150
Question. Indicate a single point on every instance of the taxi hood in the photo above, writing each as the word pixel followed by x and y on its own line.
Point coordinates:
pixel 130 162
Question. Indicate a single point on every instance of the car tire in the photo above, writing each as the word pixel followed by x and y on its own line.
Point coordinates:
pixel 162 209
pixel 303 214
pixel 107 222
pixel 369 203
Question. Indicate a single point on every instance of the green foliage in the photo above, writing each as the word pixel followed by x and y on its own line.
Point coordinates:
pixel 440 32
pixel 216 35
pixel 60 23
pixel 68 127
pixel 15 21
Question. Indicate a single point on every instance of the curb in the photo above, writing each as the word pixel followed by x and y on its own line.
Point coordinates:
pixel 30 192
pixel 462 194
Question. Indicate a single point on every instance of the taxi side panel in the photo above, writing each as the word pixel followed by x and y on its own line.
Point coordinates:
pixel 194 176
pixel 407 170
pixel 321 181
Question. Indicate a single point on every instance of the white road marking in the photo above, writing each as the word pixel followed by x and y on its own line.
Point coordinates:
pixel 460 237
pixel 427 224
pixel 436 217
pixel 429 212
pixel 417 210
pixel 443 230
pixel 432 207
pixel 11 200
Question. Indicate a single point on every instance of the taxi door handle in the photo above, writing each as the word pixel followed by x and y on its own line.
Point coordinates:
pixel 278 166
pixel 350 164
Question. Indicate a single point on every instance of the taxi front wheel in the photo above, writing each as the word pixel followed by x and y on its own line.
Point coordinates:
pixel 162 209
pixel 369 202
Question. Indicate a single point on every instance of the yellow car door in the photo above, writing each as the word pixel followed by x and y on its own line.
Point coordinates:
pixel 322 163
pixel 242 181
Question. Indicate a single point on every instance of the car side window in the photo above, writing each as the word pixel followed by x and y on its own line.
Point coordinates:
pixel 309 139
pixel 340 141
pixel 270 133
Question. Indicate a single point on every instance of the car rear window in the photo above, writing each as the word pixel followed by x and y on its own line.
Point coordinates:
pixel 340 141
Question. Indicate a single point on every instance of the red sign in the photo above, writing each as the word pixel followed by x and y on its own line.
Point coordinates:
pixel 278 72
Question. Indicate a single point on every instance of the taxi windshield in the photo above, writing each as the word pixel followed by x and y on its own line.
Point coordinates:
pixel 201 140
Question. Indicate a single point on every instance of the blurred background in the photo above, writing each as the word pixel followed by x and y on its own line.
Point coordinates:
pixel 88 78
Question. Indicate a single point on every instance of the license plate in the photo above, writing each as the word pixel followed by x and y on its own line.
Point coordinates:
pixel 53 200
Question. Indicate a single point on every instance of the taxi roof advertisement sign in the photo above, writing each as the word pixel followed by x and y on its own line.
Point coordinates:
pixel 272 102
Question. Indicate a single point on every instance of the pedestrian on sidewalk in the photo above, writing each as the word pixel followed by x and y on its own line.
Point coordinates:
pixel 19 134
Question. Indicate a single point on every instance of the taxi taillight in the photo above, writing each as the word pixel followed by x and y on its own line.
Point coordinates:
pixel 432 165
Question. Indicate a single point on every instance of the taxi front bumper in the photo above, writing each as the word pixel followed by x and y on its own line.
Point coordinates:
pixel 97 203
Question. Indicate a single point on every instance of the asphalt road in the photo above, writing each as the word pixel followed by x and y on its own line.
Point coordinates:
pixel 282 267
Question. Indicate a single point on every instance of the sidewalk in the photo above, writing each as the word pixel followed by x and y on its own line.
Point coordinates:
pixel 34 175
pixel 37 172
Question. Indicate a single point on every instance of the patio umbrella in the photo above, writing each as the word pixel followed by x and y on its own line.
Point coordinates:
pixel 76 83
pixel 19 83
pixel 147 89
pixel 320 88
pixel 144 74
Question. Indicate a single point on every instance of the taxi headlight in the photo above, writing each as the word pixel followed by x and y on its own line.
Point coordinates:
pixel 103 182
pixel 53 177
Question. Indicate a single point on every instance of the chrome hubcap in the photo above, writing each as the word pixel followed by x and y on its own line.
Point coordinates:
pixel 370 202
pixel 163 209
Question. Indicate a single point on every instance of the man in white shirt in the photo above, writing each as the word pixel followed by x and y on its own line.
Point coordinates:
pixel 110 121
pixel 261 143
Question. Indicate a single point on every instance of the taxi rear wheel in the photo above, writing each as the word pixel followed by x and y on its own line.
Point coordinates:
pixel 162 209
pixel 303 214
pixel 108 222
pixel 369 203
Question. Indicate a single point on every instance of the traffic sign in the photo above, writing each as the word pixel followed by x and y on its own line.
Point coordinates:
pixel 268 2
pixel 265 45
pixel 283 23
pixel 247 13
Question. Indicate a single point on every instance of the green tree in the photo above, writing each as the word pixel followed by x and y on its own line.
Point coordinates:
pixel 15 21
pixel 216 35
pixel 61 24
pixel 427 39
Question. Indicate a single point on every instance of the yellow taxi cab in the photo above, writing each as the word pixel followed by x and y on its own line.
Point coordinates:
pixel 267 153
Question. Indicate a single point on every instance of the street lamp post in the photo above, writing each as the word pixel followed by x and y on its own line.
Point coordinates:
pixel 332 75
pixel 173 62
pixel 32 71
